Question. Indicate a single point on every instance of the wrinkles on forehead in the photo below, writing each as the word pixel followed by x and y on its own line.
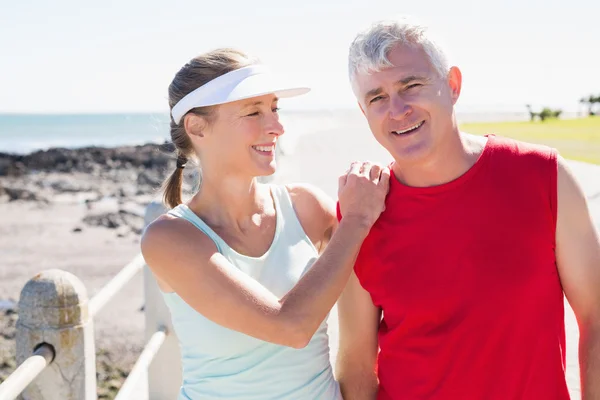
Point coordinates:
pixel 408 64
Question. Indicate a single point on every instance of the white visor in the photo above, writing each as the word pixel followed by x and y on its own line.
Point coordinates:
pixel 239 84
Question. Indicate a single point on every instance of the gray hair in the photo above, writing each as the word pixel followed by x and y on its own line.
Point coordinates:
pixel 370 48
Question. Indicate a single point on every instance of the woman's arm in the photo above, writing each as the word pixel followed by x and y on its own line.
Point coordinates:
pixel 188 261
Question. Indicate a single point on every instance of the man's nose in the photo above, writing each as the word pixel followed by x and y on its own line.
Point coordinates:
pixel 399 108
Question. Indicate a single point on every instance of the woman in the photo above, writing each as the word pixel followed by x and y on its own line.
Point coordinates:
pixel 239 263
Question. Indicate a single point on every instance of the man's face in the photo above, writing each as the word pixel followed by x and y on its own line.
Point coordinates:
pixel 409 107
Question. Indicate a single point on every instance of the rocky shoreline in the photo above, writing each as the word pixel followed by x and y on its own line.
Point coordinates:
pixel 113 186
pixel 114 183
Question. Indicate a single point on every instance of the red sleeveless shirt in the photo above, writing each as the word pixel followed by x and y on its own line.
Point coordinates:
pixel 465 274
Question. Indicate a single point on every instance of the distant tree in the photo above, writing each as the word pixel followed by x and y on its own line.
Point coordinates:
pixel 591 101
pixel 543 115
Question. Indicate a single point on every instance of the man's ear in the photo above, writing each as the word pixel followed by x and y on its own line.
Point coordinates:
pixel 194 125
pixel 455 83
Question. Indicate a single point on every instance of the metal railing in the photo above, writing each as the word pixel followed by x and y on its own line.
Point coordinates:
pixel 142 364
pixel 55 338
pixel 112 288
pixel 27 372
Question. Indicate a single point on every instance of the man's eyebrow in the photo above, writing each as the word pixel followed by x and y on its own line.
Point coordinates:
pixel 373 92
pixel 412 78
pixel 404 81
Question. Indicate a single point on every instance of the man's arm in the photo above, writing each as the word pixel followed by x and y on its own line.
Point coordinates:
pixel 358 347
pixel 578 260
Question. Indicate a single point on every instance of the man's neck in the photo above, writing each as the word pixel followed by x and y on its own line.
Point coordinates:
pixel 449 162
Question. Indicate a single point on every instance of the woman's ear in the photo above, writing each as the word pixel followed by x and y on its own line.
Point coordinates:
pixel 194 125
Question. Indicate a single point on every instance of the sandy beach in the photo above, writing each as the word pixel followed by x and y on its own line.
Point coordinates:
pixel 86 220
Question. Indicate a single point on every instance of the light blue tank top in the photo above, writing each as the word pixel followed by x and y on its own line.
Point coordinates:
pixel 220 363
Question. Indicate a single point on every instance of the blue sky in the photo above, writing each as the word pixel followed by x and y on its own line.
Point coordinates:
pixel 119 56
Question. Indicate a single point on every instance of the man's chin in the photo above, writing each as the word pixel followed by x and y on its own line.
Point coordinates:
pixel 412 153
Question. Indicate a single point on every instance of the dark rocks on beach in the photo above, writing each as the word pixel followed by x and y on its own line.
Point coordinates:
pixel 15 193
pixel 149 178
pixel 124 221
pixel 130 191
pixel 69 186
pixel 11 166
pixel 132 172
pixel 88 159
pixel 89 174
pixel 109 220
pixel 94 177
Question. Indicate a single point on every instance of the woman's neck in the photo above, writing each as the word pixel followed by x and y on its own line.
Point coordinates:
pixel 232 202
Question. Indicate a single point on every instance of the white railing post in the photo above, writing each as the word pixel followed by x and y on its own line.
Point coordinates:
pixel 164 373
pixel 53 309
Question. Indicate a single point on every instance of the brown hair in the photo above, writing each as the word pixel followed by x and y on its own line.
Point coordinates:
pixel 191 76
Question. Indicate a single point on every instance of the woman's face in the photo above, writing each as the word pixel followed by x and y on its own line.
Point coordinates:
pixel 241 139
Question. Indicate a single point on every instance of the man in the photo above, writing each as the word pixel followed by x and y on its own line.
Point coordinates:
pixel 458 288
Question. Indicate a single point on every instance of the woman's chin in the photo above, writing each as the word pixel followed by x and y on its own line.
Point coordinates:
pixel 268 171
pixel 262 170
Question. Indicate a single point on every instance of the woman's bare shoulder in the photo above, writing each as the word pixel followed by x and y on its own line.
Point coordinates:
pixel 315 210
pixel 164 240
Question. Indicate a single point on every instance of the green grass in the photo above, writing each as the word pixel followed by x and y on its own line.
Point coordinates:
pixel 576 139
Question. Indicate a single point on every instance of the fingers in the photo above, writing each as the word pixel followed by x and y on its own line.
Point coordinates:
pixel 355 168
pixel 343 179
pixel 365 168
pixel 384 178
pixel 375 173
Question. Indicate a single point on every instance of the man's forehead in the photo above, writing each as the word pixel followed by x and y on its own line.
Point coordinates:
pixel 406 62
pixel 387 76
pixel 407 55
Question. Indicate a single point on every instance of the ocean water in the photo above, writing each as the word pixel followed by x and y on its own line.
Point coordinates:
pixel 23 133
